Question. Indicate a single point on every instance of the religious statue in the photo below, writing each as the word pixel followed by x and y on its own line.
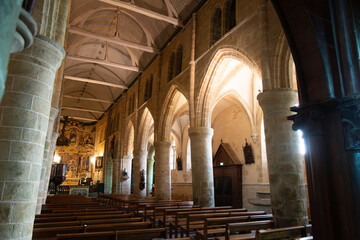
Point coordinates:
pixel 248 153
pixel 142 180
pixel 179 163
pixel 125 175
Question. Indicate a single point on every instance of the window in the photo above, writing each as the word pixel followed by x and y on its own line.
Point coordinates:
pixel 171 67
pixel 146 90
pixel 216 26
pixel 230 15
pixel 150 86
pixel 172 156
pixel 179 55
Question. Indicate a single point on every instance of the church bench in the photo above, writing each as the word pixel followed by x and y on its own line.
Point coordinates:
pixel 50 215
pixel 281 233
pixel 86 222
pixel 79 218
pixel 244 230
pixel 196 221
pixel 149 209
pixel 88 209
pixel 140 234
pixel 170 215
pixel 39 233
pixel 221 222
pixel 158 212
pixel 210 223
pixel 181 217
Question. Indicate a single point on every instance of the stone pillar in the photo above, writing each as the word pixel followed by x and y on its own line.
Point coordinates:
pixel 162 170
pixel 286 175
pixel 125 185
pixel 47 161
pixel 54 137
pixel 9 15
pixel 150 174
pixel 24 112
pixel 202 166
pixel 139 165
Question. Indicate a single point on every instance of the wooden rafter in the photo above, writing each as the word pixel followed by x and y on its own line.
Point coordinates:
pixel 103 62
pixel 79 79
pixel 82 109
pixel 87 99
pixel 146 12
pixel 116 41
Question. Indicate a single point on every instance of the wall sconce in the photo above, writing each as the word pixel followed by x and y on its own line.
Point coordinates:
pixel 57 159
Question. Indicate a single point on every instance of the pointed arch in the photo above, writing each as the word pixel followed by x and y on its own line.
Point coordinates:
pixel 129 138
pixel 209 85
pixel 168 111
pixel 144 130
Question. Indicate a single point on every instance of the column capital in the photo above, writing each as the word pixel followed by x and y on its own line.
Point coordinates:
pixel 201 132
pixel 162 144
pixel 277 100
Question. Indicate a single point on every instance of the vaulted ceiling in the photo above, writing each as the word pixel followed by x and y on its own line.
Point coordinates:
pixel 109 43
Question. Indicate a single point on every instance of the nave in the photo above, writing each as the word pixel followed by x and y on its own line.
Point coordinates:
pixel 115 217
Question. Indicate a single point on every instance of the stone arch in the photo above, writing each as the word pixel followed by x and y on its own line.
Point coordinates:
pixel 238 100
pixel 168 111
pixel 209 86
pixel 281 67
pixel 144 129
pixel 129 138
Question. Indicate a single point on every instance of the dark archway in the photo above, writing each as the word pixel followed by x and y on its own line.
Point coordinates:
pixel 324 40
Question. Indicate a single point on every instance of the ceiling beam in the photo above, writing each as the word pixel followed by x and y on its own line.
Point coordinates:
pixel 112 40
pixel 79 79
pixel 85 119
pixel 146 12
pixel 103 62
pixel 88 99
pixel 82 109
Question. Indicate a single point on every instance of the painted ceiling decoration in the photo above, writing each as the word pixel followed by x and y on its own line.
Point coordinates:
pixel 109 44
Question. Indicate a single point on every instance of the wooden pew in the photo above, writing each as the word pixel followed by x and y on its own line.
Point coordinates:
pixel 79 218
pixel 141 234
pixel 196 221
pixel 158 212
pixel 41 233
pixel 281 233
pixel 245 229
pixel 86 222
pixel 171 218
pixel 50 215
pixel 216 226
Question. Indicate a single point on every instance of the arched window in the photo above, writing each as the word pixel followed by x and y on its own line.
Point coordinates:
pixel 179 55
pixel 216 26
pixel 149 87
pixel 146 90
pixel 171 67
pixel 230 15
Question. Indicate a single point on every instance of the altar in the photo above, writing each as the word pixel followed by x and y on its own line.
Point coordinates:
pixel 79 190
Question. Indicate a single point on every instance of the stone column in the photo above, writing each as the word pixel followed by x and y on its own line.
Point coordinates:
pixel 286 175
pixel 24 112
pixel 47 161
pixel 162 170
pixel 139 165
pixel 125 166
pixel 150 174
pixel 9 13
pixel 54 137
pixel 202 166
